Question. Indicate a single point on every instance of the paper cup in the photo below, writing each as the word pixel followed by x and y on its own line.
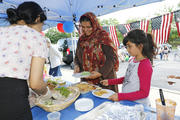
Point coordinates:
pixel 54 116
pixel 165 112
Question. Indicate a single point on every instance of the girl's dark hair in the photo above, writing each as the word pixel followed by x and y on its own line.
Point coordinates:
pixel 85 18
pixel 140 37
pixel 27 11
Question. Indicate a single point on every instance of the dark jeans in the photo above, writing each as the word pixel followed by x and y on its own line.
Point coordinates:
pixel 14 104
pixel 55 71
pixel 161 56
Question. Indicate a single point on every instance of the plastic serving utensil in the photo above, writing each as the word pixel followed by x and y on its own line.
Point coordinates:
pixel 162 97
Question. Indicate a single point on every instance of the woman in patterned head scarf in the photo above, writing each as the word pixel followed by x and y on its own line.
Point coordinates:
pixel 95 52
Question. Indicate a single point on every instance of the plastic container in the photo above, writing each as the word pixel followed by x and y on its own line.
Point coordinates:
pixel 54 116
pixel 84 104
pixel 165 112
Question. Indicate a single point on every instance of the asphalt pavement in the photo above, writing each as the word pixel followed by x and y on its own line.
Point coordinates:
pixel 161 70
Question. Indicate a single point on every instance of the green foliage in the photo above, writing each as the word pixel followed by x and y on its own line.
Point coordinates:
pixel 173 33
pixel 132 20
pixel 111 21
pixel 54 35
pixel 106 22
pixel 120 36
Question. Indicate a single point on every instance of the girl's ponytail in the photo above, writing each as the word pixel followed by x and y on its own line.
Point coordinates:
pixel 152 47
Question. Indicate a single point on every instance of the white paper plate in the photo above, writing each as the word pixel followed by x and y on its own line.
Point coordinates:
pixel 172 80
pixel 84 104
pixel 105 95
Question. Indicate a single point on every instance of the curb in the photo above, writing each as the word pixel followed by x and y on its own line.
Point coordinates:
pixel 167 90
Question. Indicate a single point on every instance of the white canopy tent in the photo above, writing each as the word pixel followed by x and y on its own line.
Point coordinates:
pixel 71 10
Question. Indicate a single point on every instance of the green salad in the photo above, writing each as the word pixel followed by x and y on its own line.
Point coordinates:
pixel 49 102
pixel 53 82
pixel 85 73
pixel 63 91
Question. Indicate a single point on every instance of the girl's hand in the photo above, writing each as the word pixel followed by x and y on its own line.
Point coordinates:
pixel 94 75
pixel 114 97
pixel 76 69
pixel 104 82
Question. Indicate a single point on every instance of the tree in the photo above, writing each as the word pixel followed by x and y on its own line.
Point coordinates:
pixel 120 36
pixel 107 22
pixel 111 21
pixel 54 35
pixel 132 20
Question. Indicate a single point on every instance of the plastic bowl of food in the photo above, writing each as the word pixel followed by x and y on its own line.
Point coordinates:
pixel 59 80
pixel 84 104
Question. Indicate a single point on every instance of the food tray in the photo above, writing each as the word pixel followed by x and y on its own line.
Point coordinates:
pixel 61 104
pixel 95 113
pixel 85 87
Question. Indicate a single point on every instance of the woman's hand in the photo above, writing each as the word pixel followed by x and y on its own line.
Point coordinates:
pixel 114 97
pixel 104 82
pixel 47 95
pixel 76 69
pixel 94 75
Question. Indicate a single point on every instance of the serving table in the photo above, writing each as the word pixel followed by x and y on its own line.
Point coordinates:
pixel 70 113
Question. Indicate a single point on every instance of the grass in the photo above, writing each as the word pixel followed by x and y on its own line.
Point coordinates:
pixel 174 43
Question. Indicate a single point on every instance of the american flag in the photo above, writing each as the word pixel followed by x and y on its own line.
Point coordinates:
pixel 161 27
pixel 142 25
pixel 135 25
pixel 177 20
pixel 112 32
pixel 125 28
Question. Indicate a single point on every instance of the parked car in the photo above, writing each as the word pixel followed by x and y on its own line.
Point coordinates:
pixel 67 46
